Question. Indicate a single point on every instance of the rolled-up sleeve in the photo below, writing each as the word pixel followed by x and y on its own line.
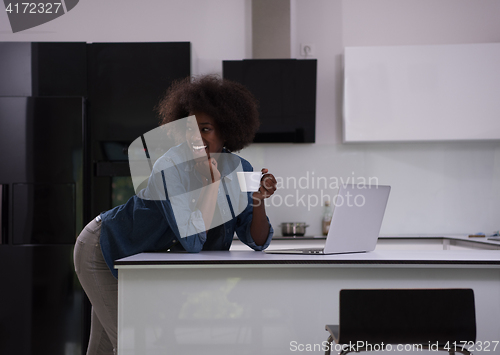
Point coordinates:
pixel 244 221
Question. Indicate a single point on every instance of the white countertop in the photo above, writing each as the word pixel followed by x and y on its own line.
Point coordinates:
pixel 222 259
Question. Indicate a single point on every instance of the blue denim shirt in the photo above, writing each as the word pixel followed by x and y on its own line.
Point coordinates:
pixel 146 225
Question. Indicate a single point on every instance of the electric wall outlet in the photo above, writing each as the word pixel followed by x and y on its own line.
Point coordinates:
pixel 307 50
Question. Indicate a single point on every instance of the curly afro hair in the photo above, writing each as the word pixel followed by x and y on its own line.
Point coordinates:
pixel 230 104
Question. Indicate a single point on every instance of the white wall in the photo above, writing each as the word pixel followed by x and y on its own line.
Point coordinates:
pixel 216 28
pixel 438 188
pixel 414 22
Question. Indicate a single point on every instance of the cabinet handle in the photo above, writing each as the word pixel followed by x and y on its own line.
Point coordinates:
pixel 3 213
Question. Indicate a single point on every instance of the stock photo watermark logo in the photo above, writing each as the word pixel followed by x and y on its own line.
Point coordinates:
pixel 170 163
pixel 310 190
pixel 24 15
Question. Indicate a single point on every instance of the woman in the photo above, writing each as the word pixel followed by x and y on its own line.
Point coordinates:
pixel 182 207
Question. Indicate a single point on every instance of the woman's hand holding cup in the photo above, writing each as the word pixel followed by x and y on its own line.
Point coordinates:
pixel 267 186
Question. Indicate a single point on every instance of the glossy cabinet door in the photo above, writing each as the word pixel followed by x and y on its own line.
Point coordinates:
pixel 40 301
pixel 41 168
pixel 41 178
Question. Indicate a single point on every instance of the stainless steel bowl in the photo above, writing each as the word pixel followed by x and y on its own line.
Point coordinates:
pixel 289 229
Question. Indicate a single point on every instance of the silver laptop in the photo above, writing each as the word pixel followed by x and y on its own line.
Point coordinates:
pixel 357 218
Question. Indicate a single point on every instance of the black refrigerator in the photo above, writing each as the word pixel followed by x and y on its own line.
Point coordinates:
pixel 41 194
pixel 63 105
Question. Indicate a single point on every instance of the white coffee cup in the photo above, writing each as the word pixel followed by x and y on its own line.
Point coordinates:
pixel 249 180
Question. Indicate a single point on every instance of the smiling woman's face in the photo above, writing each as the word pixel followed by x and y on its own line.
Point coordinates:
pixel 208 137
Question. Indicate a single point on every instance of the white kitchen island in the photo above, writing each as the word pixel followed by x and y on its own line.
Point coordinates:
pixel 246 302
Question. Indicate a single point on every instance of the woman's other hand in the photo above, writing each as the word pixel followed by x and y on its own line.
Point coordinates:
pixel 208 170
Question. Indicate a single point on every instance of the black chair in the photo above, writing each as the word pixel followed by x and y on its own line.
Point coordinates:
pixel 404 319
